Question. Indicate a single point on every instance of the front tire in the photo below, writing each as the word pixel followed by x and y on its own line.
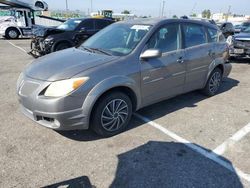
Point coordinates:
pixel 213 83
pixel 111 114
pixel 12 33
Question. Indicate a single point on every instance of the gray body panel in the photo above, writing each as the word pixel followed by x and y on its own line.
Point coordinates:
pixel 150 80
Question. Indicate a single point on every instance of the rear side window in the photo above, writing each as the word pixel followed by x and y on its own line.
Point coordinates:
pixel 194 35
pixel 100 24
pixel 212 35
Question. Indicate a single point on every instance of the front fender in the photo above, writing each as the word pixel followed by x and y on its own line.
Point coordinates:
pixel 104 86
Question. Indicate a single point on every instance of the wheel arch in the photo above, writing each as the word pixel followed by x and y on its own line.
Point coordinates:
pixel 61 42
pixel 121 84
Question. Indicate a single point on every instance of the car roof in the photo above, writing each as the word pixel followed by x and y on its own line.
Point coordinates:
pixel 157 21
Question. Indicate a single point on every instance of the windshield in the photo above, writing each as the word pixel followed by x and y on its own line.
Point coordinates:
pixel 69 25
pixel 117 39
pixel 246 28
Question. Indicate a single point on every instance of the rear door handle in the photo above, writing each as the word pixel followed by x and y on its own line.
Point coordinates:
pixel 180 60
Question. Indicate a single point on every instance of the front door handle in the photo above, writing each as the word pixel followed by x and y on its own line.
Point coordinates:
pixel 180 60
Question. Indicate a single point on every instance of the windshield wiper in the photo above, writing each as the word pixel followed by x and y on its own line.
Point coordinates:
pixel 87 49
pixel 102 51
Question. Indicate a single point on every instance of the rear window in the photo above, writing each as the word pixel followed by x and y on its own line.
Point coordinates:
pixel 194 35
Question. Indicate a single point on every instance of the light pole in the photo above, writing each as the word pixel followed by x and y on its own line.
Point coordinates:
pixel 67 8
pixel 163 7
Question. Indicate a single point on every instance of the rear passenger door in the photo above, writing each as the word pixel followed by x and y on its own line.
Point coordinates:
pixel 198 55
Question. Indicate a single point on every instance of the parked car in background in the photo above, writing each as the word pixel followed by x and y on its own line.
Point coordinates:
pixel 123 68
pixel 240 43
pixel 227 28
pixel 71 33
pixel 237 28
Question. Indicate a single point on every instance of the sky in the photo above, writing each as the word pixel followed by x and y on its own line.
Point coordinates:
pixel 152 7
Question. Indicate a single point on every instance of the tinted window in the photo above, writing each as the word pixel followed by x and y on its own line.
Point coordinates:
pixel 100 24
pixel 88 25
pixel 194 35
pixel 212 35
pixel 165 39
pixel 119 39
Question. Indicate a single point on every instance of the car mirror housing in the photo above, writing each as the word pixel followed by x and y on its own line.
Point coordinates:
pixel 151 53
pixel 83 29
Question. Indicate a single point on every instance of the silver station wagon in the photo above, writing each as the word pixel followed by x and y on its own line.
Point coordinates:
pixel 125 67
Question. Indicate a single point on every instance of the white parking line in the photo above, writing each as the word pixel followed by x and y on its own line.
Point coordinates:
pixel 210 155
pixel 18 47
pixel 232 140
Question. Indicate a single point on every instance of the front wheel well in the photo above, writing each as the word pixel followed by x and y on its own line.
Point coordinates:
pixel 221 67
pixel 126 90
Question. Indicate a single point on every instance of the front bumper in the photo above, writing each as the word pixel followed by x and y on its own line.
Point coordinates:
pixel 40 47
pixel 63 113
pixel 240 48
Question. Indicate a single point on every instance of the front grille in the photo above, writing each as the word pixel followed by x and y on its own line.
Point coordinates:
pixel 28 87
pixel 242 43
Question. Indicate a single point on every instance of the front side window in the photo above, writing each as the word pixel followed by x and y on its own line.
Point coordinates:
pixel 69 25
pixel 165 39
pixel 100 24
pixel 212 35
pixel 88 25
pixel 194 35
pixel 119 39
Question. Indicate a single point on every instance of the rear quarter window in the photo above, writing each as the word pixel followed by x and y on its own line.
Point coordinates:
pixel 213 35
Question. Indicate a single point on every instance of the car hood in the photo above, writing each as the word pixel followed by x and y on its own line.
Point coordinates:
pixel 46 31
pixel 65 64
pixel 242 36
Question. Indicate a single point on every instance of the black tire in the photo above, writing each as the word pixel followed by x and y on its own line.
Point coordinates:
pixel 39 5
pixel 12 33
pixel 101 121
pixel 213 83
pixel 61 46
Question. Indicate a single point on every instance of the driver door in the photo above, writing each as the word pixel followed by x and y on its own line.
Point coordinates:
pixel 163 77
pixel 84 31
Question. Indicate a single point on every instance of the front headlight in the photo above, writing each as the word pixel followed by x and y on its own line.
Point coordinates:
pixel 230 40
pixel 64 87
pixel 49 40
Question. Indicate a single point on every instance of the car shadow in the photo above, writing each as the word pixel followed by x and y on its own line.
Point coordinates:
pixel 241 61
pixel 160 109
pixel 80 182
pixel 171 164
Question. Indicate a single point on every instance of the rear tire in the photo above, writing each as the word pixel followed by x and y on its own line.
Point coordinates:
pixel 12 33
pixel 213 83
pixel 111 114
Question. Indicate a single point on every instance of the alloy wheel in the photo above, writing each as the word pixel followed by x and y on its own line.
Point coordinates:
pixel 214 83
pixel 114 115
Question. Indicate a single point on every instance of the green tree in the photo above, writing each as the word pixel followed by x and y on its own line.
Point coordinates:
pixel 126 12
pixel 174 16
pixel 206 14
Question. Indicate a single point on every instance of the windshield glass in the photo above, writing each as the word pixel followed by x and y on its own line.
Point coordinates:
pixel 117 39
pixel 69 25
pixel 246 27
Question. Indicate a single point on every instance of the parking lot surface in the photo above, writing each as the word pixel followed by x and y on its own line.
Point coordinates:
pixel 187 141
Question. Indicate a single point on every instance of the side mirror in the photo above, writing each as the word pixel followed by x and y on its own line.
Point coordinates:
pixel 83 29
pixel 151 53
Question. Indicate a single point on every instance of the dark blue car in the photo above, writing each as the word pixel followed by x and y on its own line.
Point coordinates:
pixel 240 43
